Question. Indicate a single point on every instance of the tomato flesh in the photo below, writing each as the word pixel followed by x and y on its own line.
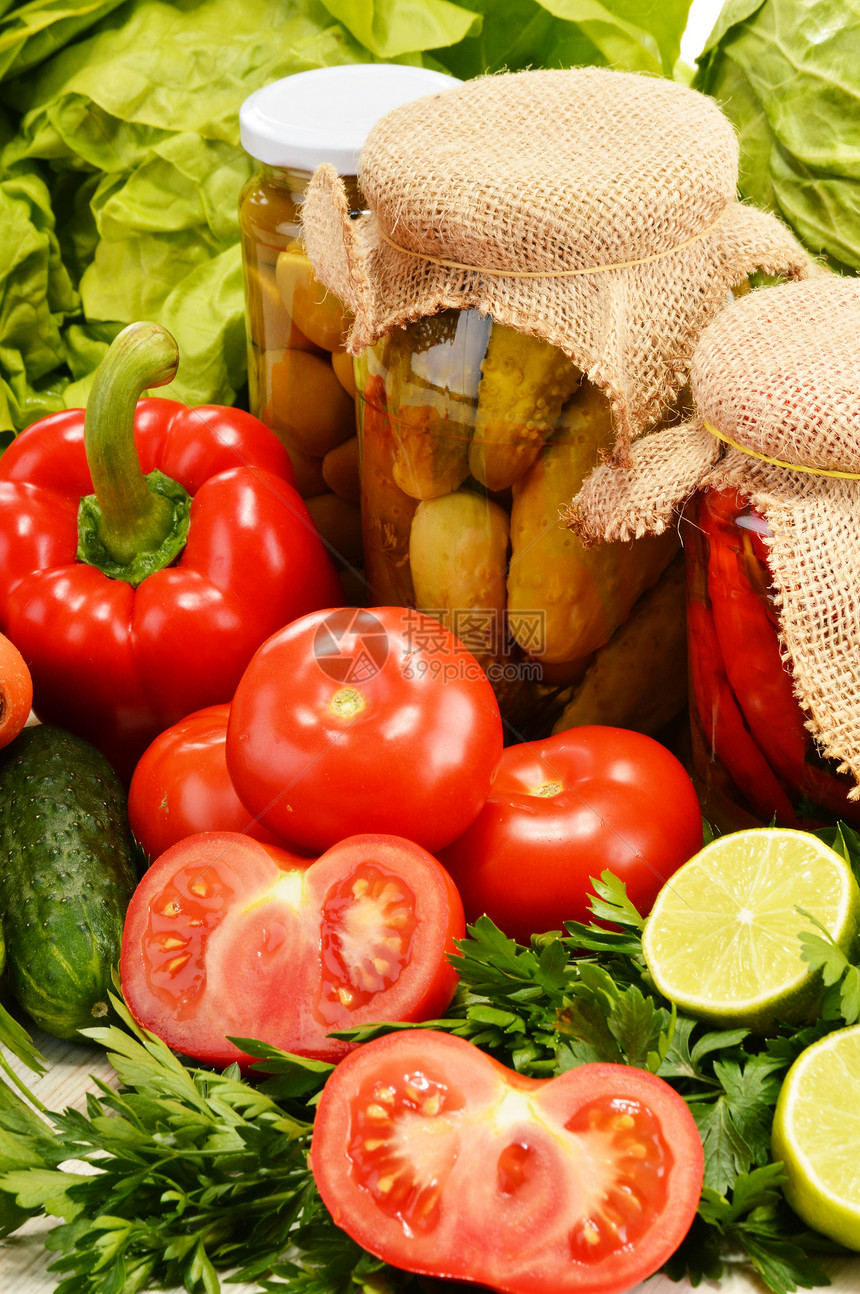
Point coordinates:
pixel 228 936
pixel 633 1200
pixel 367 927
pixel 443 1162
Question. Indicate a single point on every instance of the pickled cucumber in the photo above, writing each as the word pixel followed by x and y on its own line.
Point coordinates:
pixel 458 554
pixel 431 455
pixel 638 679
pixel 458 551
pixel 524 384
pixel 565 600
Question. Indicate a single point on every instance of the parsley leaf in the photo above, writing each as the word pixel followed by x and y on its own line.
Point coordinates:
pixel 841 1000
pixel 755 1219
pixel 188 1171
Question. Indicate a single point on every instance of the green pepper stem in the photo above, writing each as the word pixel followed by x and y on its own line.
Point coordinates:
pixel 132 518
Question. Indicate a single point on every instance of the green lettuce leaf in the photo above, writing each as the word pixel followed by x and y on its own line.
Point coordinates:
pixel 785 72
pixel 30 33
pixel 634 35
pixel 390 28
pixel 515 35
pixel 36 298
pixel 135 129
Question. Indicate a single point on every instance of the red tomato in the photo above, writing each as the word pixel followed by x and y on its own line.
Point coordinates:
pixel 562 811
pixel 439 1160
pixel 180 785
pixel 350 720
pixel 227 936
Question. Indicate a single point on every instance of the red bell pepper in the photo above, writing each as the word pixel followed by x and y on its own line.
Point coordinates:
pixel 147 549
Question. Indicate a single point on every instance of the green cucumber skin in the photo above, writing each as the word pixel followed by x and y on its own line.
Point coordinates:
pixel 67 872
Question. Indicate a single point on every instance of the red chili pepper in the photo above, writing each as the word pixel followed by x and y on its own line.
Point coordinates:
pixel 750 652
pixel 722 726
pixel 146 550
pixel 746 627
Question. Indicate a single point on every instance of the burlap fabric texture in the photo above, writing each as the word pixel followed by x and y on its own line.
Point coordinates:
pixel 593 208
pixel 777 373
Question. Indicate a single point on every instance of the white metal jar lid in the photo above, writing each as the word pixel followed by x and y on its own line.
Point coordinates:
pixel 325 114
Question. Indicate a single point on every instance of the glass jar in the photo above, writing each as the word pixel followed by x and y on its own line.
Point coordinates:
pixel 753 759
pixel 473 439
pixel 300 377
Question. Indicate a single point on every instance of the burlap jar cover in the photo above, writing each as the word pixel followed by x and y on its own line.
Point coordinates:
pixel 595 209
pixel 776 389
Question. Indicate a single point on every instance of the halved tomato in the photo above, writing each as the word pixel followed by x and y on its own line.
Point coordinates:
pixel 439 1160
pixel 226 936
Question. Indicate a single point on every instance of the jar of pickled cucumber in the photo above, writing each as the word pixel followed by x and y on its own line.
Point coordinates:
pixel 536 255
pixel 473 438
pixel 300 378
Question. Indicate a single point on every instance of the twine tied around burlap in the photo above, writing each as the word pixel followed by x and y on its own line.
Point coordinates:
pixel 595 209
pixel 778 374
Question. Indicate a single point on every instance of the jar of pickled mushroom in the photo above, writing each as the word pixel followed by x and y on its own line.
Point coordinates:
pixel 524 302
pixel 300 377
pixel 767 473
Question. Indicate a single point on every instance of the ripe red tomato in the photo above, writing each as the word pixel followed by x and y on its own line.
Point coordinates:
pixel 227 936
pixel 180 785
pixel 439 1160
pixel 562 811
pixel 362 720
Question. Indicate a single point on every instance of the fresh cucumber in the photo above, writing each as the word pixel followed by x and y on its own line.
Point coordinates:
pixel 67 872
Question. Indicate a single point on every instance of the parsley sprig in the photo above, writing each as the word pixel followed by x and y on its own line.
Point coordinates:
pixel 184 1174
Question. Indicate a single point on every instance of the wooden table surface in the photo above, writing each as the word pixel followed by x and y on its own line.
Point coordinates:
pixel 24 1259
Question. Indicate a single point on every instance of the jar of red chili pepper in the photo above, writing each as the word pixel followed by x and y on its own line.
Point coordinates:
pixel 754 758
pixel 765 478
pixel 300 377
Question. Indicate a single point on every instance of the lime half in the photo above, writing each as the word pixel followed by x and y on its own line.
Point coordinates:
pixel 722 940
pixel 816 1134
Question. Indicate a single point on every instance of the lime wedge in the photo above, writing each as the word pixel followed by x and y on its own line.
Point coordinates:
pixel 816 1134
pixel 722 940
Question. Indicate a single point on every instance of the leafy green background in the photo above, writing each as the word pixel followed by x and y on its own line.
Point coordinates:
pixel 121 166
pixel 786 73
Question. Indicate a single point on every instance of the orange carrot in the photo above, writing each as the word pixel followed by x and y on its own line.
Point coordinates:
pixel 16 691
